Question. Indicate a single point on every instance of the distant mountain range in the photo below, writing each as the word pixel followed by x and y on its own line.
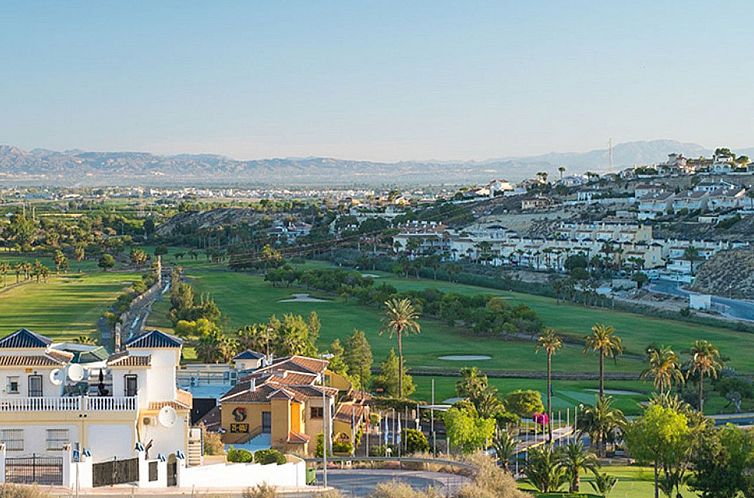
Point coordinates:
pixel 80 168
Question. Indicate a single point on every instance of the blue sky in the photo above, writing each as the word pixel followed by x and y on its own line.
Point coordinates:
pixel 375 80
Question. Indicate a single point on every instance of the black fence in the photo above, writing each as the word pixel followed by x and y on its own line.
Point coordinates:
pixel 115 472
pixel 45 470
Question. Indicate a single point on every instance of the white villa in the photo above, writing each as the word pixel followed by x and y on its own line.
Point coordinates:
pixel 86 419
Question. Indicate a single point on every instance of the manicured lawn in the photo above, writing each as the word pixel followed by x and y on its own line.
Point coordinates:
pixel 637 331
pixel 63 308
pixel 633 482
pixel 245 298
pixel 566 393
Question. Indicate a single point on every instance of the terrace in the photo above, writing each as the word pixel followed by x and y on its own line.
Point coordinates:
pixel 70 404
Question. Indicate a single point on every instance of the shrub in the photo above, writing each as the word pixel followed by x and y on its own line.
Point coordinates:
pixel 416 441
pixel 342 447
pixel 269 456
pixel 490 481
pixel 260 491
pixel 397 489
pixel 213 444
pixel 239 455
pixel 14 491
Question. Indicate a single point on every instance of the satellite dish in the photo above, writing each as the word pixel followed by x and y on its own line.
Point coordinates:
pixel 56 377
pixel 75 372
pixel 168 416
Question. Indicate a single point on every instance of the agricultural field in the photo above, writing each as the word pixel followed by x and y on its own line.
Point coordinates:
pixel 246 298
pixel 65 307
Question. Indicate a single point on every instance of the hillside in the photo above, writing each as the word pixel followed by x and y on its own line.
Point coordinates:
pixel 81 168
pixel 728 273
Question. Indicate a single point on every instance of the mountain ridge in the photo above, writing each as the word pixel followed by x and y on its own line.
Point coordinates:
pixel 79 167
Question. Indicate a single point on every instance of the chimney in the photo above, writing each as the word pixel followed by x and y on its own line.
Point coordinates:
pixel 252 385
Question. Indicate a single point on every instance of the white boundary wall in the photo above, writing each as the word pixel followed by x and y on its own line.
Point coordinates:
pixel 242 475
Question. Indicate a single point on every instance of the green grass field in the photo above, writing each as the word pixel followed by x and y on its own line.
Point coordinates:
pixel 63 308
pixel 245 298
pixel 633 482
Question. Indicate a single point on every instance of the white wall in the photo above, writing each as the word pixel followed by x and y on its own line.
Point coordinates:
pixel 242 475
pixel 48 388
pixel 165 440
pixel 111 440
pixel 35 438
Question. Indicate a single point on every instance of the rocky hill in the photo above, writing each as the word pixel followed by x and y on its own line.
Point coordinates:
pixel 198 220
pixel 728 273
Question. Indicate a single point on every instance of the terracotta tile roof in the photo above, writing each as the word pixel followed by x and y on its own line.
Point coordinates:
pixel 41 360
pixel 345 410
pixel 126 360
pixel 298 438
pixel 156 405
pixel 299 364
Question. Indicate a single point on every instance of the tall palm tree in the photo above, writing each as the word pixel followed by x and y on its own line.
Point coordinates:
pixel 704 361
pixel 600 421
pixel 4 269
pixel 400 318
pixel 664 368
pixel 606 344
pixel 550 343
pixel 574 459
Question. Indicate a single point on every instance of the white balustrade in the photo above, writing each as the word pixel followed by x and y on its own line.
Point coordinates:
pixel 69 404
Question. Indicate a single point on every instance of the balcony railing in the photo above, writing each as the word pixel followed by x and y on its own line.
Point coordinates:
pixel 70 404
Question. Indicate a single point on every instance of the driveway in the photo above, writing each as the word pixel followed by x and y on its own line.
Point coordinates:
pixel 734 308
pixel 361 482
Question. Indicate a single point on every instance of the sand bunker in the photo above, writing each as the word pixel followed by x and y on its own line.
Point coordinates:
pixel 465 357
pixel 369 275
pixel 302 298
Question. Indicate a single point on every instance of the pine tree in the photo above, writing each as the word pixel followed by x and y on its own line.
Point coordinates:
pixel 358 357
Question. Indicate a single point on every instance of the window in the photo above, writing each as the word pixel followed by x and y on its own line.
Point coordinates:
pixel 131 384
pixel 13 439
pixel 12 386
pixel 35 385
pixel 57 438
pixel 317 412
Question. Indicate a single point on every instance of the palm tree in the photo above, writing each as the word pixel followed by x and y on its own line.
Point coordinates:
pixel 704 361
pixel 505 446
pixel 604 342
pixel 85 339
pixel 664 368
pixel 550 343
pixel 4 269
pixel 600 421
pixel 691 254
pixel 574 459
pixel 561 169
pixel 603 483
pixel 543 471
pixel 400 318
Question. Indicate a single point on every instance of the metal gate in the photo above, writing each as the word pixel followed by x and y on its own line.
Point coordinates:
pixel 172 470
pixel 115 472
pixel 35 469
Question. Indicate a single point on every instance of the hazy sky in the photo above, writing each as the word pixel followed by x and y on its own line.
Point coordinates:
pixel 374 80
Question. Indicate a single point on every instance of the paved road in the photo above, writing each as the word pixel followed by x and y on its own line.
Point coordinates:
pixel 734 308
pixel 360 482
